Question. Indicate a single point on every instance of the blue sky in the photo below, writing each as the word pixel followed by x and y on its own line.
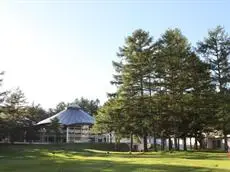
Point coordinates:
pixel 58 50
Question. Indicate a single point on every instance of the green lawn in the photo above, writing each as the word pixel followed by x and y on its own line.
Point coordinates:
pixel 69 158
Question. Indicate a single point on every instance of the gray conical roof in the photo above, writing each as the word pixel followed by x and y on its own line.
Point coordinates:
pixel 72 115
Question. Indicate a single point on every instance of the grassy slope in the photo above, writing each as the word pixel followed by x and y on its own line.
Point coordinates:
pixel 62 158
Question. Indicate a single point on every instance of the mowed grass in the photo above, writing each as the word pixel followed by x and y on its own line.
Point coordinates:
pixel 82 158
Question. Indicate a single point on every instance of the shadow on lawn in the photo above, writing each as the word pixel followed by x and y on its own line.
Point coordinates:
pixel 111 166
pixel 25 159
pixel 114 166
pixel 54 165
pixel 80 149
pixel 183 155
pixel 117 167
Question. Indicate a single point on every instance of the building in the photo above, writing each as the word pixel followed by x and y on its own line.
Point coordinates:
pixel 216 141
pixel 74 123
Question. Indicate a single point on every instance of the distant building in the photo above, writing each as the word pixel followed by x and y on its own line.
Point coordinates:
pixel 215 140
pixel 75 126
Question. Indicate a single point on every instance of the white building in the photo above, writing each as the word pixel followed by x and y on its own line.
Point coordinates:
pixel 75 126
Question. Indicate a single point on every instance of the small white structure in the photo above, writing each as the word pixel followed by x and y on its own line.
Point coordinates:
pixel 217 142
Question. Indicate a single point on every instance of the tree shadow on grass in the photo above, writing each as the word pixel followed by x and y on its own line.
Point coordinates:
pixel 104 165
pixel 46 161
pixel 128 167
pixel 183 155
pixel 59 165
pixel 56 159
pixel 111 166
pixel 70 150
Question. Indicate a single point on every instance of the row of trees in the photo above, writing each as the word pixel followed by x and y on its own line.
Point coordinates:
pixel 168 89
pixel 18 118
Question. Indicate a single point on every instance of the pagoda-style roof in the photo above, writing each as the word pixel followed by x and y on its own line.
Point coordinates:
pixel 72 115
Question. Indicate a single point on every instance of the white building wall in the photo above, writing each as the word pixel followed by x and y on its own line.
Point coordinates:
pixel 76 134
pixel 181 144
pixel 209 144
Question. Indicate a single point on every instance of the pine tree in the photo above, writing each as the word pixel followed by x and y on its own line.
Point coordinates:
pixel 15 113
pixel 55 129
pixel 216 49
pixel 137 54
pixel 173 50
pixel 198 97
pixel 90 106
pixel 110 119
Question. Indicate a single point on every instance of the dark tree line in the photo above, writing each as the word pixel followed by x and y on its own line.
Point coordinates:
pixel 18 118
pixel 168 89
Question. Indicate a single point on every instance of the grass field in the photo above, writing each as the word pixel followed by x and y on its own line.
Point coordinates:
pixel 82 158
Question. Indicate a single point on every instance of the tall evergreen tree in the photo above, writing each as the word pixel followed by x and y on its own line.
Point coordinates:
pixel 36 113
pixel 137 53
pixel 199 97
pixel 110 119
pixel 15 113
pixel 54 128
pixel 164 89
pixel 216 49
pixel 173 51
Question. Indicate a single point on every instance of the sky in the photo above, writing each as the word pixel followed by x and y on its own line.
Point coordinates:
pixel 59 50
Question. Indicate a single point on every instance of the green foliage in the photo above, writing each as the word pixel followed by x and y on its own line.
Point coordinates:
pixel 55 128
pixel 137 60
pixel 2 93
pixel 59 107
pixel 14 115
pixel 90 106
pixel 108 118
pixel 36 113
pixel 55 125
pixel 216 49
pixel 165 89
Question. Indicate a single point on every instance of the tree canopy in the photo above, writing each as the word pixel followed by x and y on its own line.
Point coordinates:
pixel 166 88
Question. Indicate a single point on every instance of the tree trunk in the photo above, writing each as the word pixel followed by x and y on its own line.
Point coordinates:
pixel 225 142
pixel 116 143
pixel 190 143
pixel 185 144
pixel 170 144
pixel 175 143
pixel 145 142
pixel 201 143
pixel 162 144
pixel 178 144
pixel 110 138
pixel 196 145
pixel 155 142
pixel 131 142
